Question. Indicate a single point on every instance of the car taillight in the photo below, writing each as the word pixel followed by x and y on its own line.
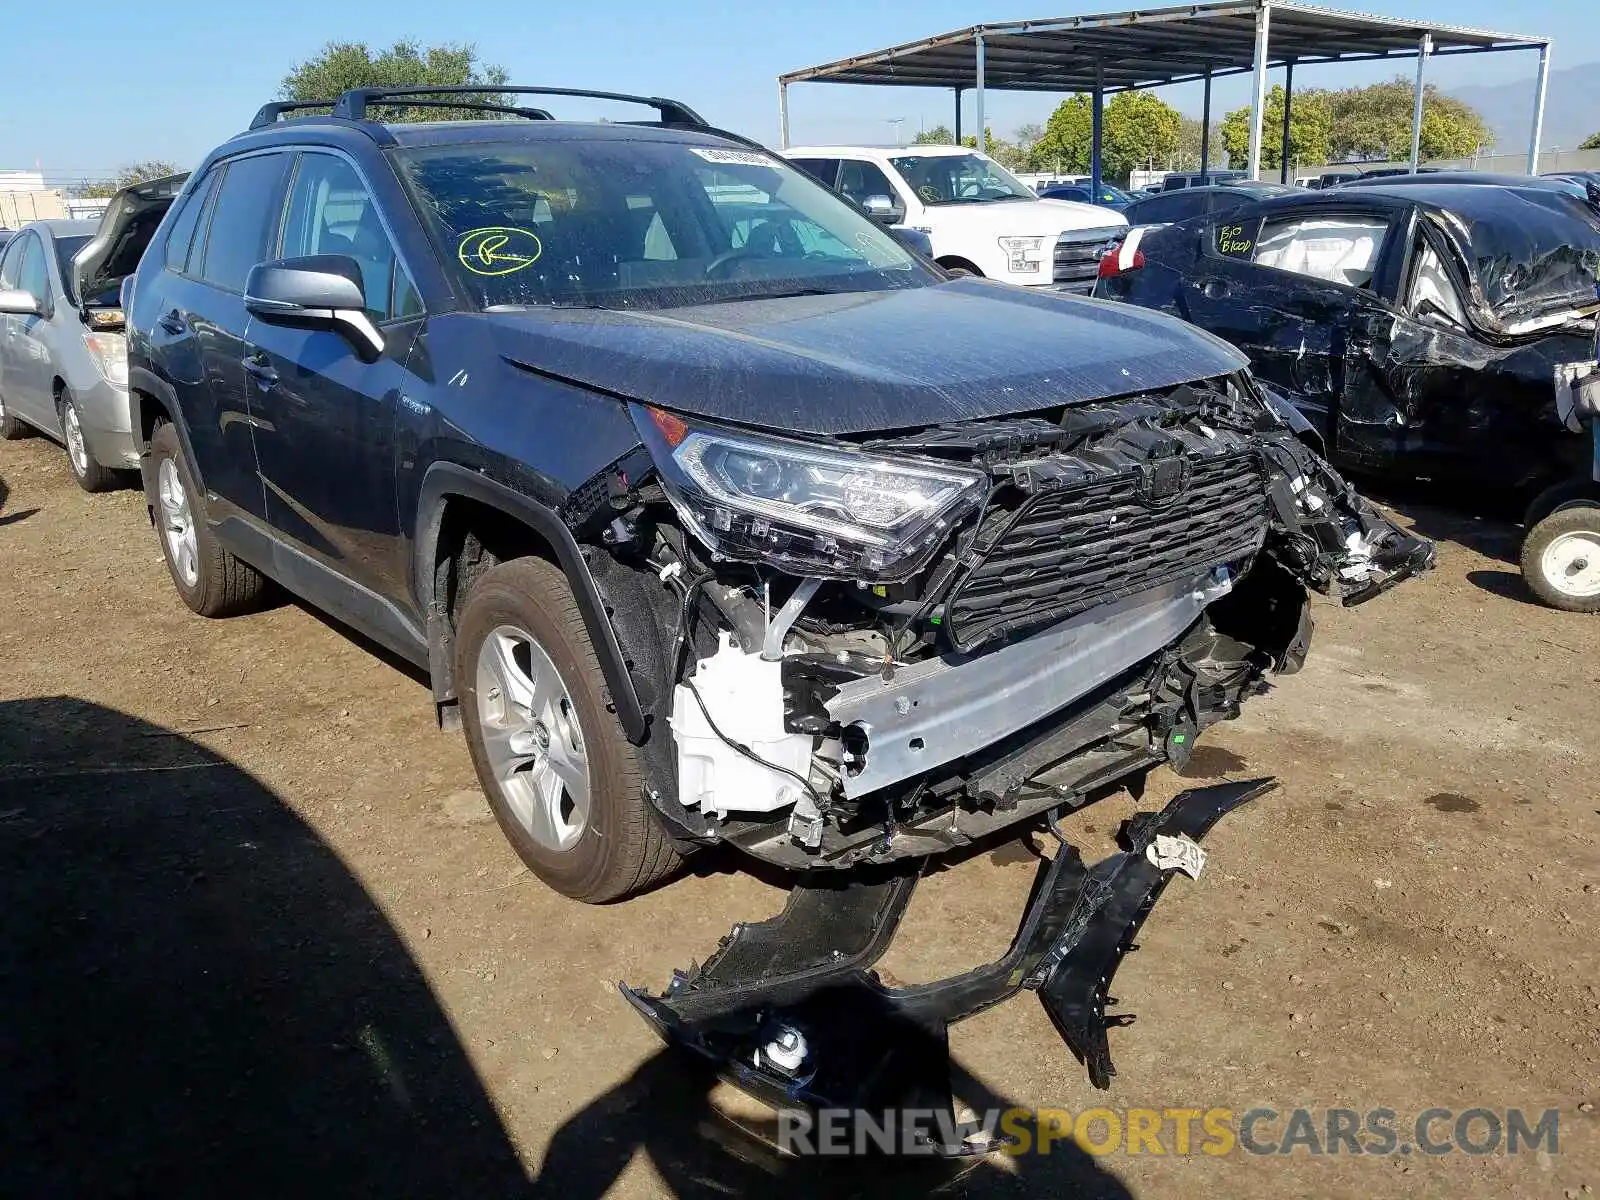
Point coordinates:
pixel 1112 263
pixel 1124 257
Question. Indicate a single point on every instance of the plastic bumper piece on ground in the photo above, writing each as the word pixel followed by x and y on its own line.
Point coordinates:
pixel 789 1009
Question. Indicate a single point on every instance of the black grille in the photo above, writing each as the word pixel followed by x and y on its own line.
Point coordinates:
pixel 1076 264
pixel 1068 549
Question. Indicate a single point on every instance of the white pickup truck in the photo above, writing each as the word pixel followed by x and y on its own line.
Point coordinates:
pixel 980 218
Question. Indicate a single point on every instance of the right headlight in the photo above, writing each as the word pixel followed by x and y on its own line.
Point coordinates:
pixel 807 508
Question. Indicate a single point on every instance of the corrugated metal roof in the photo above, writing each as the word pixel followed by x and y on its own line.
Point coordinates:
pixel 1149 47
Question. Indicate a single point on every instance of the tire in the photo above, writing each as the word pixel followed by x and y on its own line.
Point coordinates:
pixel 536 737
pixel 1561 558
pixel 211 581
pixel 1557 497
pixel 86 471
pixel 11 429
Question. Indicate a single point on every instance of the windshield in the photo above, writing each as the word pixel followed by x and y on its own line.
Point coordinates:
pixel 959 179
pixel 623 223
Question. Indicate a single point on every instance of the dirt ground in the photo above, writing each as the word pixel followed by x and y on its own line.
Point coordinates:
pixel 260 927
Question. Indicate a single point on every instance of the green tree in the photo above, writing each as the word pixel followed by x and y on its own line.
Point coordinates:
pixel 1188 156
pixel 939 135
pixel 1310 130
pixel 343 65
pixel 1374 122
pixel 1592 142
pixel 1139 128
pixel 1064 145
pixel 154 168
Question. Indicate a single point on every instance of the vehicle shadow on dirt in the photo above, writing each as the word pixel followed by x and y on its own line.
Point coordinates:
pixel 666 1111
pixel 11 518
pixel 197 995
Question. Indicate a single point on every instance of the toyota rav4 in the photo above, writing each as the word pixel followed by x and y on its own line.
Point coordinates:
pixel 712 514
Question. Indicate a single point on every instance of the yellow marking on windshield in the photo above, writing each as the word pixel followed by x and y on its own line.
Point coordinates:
pixel 499 249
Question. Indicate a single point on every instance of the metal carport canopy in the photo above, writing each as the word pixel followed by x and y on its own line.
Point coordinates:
pixel 1145 48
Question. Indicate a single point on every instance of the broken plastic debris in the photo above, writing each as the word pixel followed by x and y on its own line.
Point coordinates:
pixel 1179 851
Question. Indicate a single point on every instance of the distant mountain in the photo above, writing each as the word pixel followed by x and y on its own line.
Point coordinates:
pixel 1571 109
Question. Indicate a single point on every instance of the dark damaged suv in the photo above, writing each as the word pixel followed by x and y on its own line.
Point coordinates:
pixel 714 514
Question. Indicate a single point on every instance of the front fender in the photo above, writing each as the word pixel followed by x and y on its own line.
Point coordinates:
pixel 444 480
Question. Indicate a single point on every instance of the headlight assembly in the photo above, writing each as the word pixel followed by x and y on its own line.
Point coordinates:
pixel 808 508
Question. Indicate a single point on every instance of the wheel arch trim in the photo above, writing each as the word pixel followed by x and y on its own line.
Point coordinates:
pixel 444 480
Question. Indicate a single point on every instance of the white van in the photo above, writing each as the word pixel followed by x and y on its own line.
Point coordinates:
pixel 980 218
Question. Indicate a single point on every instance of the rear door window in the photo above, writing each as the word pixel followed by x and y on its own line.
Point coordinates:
pixel 824 170
pixel 187 219
pixel 243 220
pixel 1340 249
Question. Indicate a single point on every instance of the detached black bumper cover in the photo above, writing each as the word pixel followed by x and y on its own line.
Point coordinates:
pixel 789 1009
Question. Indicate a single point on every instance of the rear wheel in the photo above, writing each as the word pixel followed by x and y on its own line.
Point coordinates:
pixel 89 474
pixel 211 581
pixel 1555 498
pixel 1561 558
pixel 10 428
pixel 561 777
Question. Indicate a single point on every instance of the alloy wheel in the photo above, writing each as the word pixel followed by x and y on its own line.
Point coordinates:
pixel 177 523
pixel 77 450
pixel 533 738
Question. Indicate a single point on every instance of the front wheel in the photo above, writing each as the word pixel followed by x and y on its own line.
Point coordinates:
pixel 86 472
pixel 1561 558
pixel 561 777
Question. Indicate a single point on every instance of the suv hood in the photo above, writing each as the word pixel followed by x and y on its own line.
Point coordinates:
pixel 130 221
pixel 1021 218
pixel 861 362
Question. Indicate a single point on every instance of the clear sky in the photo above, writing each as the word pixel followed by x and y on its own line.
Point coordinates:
pixel 87 88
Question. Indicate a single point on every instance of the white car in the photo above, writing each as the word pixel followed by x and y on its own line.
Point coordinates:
pixel 980 218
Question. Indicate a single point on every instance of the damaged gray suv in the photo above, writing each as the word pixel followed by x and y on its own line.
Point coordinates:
pixel 719 518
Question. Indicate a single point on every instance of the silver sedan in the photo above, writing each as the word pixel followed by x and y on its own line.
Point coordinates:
pixel 63 358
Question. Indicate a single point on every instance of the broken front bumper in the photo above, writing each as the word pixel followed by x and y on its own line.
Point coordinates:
pixel 790 1010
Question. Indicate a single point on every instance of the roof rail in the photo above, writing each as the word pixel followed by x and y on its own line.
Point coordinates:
pixel 269 113
pixel 352 105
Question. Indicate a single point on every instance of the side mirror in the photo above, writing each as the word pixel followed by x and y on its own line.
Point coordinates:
pixel 320 291
pixel 19 303
pixel 883 210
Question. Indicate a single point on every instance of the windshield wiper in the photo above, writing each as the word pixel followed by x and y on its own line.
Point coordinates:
pixel 803 291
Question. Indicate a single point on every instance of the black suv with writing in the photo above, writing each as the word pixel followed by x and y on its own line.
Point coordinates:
pixel 712 514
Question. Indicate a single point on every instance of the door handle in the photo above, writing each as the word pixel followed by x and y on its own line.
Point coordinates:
pixel 1215 288
pixel 258 368
pixel 172 322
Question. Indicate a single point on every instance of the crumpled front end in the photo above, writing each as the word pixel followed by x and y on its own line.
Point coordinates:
pixel 885 648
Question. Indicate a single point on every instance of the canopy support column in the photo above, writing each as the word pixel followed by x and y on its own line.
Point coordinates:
pixel 1258 101
pixel 958 116
pixel 1205 131
pixel 981 130
pixel 783 116
pixel 1288 104
pixel 1424 48
pixel 1538 109
pixel 1098 120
